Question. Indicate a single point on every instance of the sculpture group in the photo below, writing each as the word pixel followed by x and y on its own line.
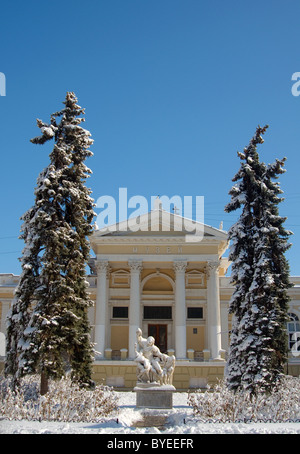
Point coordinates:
pixel 152 365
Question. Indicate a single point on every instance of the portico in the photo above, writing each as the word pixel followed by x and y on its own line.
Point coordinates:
pixel 156 280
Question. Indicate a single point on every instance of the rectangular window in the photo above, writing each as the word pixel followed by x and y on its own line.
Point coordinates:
pixel 195 312
pixel 120 312
pixel 157 312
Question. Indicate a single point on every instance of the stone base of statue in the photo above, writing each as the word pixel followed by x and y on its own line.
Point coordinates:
pixel 154 395
pixel 154 372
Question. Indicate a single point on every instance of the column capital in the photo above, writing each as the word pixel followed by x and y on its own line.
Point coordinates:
pixel 179 266
pixel 102 266
pixel 135 265
pixel 212 267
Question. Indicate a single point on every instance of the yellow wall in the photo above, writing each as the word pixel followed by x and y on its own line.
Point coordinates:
pixel 103 373
pixel 195 341
pixel 7 295
pixel 158 283
pixel 119 337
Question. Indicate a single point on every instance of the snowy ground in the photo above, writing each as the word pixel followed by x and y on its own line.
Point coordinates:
pixel 180 421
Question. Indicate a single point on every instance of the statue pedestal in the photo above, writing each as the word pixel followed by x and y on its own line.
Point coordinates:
pixel 153 395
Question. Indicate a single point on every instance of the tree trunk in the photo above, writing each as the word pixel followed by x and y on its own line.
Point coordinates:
pixel 44 384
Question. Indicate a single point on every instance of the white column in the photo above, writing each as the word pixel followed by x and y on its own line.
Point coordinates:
pixel 180 309
pixel 213 310
pixel 100 319
pixel 5 310
pixel 224 326
pixel 135 304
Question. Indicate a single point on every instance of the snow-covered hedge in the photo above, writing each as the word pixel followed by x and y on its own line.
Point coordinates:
pixel 65 401
pixel 221 404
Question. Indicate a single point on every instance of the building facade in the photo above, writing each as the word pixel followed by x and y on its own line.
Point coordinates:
pixel 149 275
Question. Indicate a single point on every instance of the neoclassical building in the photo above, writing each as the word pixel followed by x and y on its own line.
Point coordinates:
pixel 148 274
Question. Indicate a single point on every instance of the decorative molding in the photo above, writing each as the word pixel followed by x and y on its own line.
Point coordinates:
pixel 151 239
pixel 180 266
pixel 157 258
pixel 156 274
pixel 120 278
pixel 135 265
pixel 102 266
pixel 212 267
pixel 195 279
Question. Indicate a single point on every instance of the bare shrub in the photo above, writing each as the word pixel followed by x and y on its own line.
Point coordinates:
pixel 65 401
pixel 223 405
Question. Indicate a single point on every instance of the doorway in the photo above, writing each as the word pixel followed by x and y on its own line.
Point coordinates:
pixel 159 332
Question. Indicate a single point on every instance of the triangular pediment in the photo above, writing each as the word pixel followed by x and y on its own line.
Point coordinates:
pixel 160 223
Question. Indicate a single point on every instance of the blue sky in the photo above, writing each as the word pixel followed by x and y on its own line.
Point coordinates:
pixel 172 90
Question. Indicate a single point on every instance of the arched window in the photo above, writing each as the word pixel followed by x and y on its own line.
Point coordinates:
pixel 293 330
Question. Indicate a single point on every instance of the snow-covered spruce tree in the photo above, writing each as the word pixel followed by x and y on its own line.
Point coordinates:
pixel 19 315
pixel 58 332
pixel 260 273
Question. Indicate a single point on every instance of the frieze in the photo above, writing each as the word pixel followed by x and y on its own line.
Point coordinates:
pixel 157 250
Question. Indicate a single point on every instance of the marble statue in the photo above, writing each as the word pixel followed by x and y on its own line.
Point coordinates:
pixel 152 365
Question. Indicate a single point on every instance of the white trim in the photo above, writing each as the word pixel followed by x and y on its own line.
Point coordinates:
pixel 158 257
pixel 144 239
pixel 194 275
pixel 121 274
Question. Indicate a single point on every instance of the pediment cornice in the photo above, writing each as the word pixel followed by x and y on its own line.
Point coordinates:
pixel 150 240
